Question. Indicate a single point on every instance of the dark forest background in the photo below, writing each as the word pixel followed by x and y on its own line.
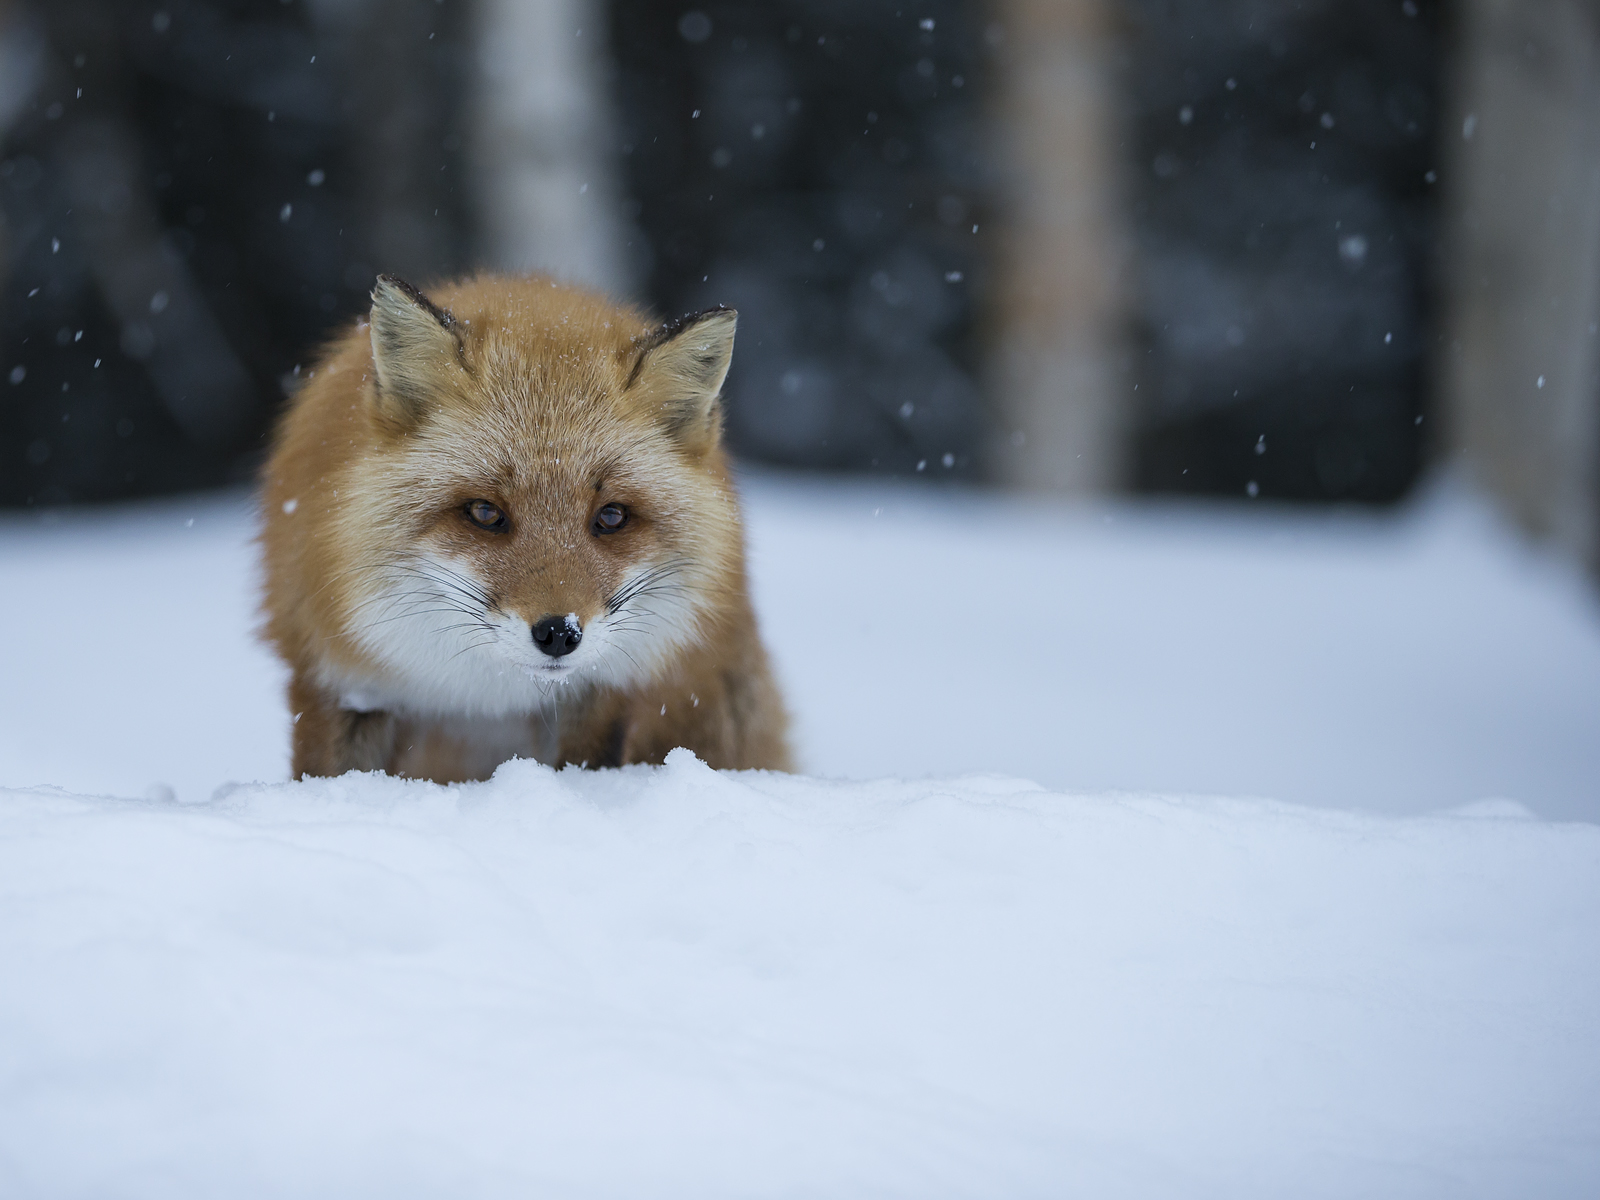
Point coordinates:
pixel 195 191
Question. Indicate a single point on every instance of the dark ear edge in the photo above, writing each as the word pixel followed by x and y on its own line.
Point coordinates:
pixel 666 332
pixel 444 316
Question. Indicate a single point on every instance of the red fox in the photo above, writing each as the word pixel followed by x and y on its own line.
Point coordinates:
pixel 499 522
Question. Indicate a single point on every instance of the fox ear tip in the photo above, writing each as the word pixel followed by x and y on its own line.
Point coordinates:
pixel 386 284
pixel 390 291
pixel 717 314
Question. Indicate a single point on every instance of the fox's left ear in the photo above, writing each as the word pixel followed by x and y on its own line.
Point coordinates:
pixel 679 371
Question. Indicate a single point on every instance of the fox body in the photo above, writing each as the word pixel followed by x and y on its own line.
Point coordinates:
pixel 499 522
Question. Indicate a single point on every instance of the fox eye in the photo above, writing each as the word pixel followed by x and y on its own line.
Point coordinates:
pixel 610 518
pixel 486 516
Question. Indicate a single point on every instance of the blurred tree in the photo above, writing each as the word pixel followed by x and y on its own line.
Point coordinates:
pixel 546 160
pixel 1521 363
pixel 1063 407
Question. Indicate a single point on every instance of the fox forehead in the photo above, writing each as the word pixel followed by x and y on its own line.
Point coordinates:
pixel 544 405
pixel 540 378
pixel 497 453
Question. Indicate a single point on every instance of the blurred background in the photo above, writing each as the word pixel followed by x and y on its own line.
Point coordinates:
pixel 1184 395
pixel 1224 247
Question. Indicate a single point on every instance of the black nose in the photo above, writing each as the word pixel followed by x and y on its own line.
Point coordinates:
pixel 557 635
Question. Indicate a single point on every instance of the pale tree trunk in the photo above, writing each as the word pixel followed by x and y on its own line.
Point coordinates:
pixel 544 154
pixel 1520 354
pixel 1057 376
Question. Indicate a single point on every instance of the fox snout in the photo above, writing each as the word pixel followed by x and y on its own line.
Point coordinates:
pixel 558 636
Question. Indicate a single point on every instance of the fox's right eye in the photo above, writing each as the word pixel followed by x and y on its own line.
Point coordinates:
pixel 486 516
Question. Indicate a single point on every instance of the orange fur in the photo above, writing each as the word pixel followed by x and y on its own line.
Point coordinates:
pixel 408 627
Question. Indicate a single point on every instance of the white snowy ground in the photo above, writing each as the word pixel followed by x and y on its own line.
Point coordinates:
pixel 672 983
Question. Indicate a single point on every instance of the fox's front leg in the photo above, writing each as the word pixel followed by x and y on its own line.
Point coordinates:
pixel 329 740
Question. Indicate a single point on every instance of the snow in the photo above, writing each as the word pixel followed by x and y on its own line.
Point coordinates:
pixel 672 982
pixel 1400 663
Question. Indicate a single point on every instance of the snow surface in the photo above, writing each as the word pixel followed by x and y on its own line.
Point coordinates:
pixel 669 982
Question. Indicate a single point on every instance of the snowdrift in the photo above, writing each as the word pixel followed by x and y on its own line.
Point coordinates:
pixel 671 982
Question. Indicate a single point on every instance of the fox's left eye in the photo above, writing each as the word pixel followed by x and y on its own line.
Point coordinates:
pixel 486 516
pixel 610 518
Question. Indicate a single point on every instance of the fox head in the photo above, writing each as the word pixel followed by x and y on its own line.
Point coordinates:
pixel 536 496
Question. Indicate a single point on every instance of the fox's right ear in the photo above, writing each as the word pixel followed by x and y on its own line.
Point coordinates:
pixel 681 367
pixel 415 348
